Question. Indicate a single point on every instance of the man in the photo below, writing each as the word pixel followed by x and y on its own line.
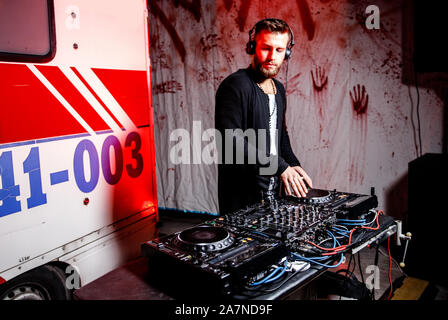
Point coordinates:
pixel 251 99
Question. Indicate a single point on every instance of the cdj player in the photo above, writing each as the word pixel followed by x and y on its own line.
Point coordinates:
pixel 210 259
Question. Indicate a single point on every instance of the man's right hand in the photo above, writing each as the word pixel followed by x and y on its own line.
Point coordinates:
pixel 294 183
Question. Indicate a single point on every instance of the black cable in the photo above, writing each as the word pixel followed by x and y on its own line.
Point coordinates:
pixel 354 264
pixel 360 268
pixel 347 274
pixel 376 265
pixel 418 114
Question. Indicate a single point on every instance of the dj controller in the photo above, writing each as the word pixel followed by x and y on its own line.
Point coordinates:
pixel 227 253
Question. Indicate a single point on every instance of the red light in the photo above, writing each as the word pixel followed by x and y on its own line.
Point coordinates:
pixel 2 281
pixel 148 204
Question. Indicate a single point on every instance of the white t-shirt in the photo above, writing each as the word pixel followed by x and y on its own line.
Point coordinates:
pixel 273 123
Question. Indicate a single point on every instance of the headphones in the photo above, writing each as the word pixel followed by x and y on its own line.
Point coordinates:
pixel 251 44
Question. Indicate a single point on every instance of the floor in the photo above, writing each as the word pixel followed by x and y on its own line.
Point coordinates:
pixel 362 267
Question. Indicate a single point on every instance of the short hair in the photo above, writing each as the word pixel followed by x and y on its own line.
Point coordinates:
pixel 272 25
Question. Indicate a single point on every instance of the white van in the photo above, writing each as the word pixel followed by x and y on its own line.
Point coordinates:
pixel 77 166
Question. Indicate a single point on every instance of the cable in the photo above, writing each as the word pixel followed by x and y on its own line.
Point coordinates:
pixel 394 261
pixel 347 273
pixel 340 228
pixel 345 222
pixel 277 276
pixel 341 235
pixel 337 250
pixel 279 285
pixel 350 220
pixel 376 265
pixel 269 278
pixel 335 241
pixel 360 268
pixel 318 263
pixel 367 223
pixel 390 268
pixel 325 240
pixel 418 114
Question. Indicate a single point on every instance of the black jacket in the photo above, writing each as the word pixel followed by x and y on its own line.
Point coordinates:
pixel 241 104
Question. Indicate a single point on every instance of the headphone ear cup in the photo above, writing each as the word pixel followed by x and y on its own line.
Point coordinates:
pixel 250 47
pixel 288 53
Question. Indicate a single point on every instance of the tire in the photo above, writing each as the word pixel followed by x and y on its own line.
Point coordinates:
pixel 43 283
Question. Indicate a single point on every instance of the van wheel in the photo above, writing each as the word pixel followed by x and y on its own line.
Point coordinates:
pixel 43 283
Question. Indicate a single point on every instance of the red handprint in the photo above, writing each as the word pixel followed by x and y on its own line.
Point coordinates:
pixel 320 80
pixel 360 99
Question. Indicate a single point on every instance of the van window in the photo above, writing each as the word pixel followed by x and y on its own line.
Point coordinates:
pixel 27 30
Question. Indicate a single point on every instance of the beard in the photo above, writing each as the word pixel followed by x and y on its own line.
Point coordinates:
pixel 266 73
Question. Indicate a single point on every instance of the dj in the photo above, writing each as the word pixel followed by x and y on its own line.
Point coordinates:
pixel 251 99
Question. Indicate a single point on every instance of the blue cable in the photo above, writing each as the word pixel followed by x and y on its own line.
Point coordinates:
pixel 318 263
pixel 267 277
pixel 335 241
pixel 340 230
pixel 279 275
pixel 349 220
pixel 340 233
pixel 313 259
pixel 351 224
pixel 334 238
pixel 318 258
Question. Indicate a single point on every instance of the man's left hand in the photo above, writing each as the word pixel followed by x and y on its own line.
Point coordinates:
pixel 306 180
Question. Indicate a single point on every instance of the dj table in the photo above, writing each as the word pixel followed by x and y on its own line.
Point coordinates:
pixel 168 271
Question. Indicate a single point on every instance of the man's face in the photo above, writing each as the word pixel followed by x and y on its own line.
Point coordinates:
pixel 270 52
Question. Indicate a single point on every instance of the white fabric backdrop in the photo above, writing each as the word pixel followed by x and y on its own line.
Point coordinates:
pixel 197 43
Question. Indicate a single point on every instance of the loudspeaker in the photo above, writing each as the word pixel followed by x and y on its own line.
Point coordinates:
pixel 428 218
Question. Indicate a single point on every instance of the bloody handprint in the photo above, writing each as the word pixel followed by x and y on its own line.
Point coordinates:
pixel 360 99
pixel 319 79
